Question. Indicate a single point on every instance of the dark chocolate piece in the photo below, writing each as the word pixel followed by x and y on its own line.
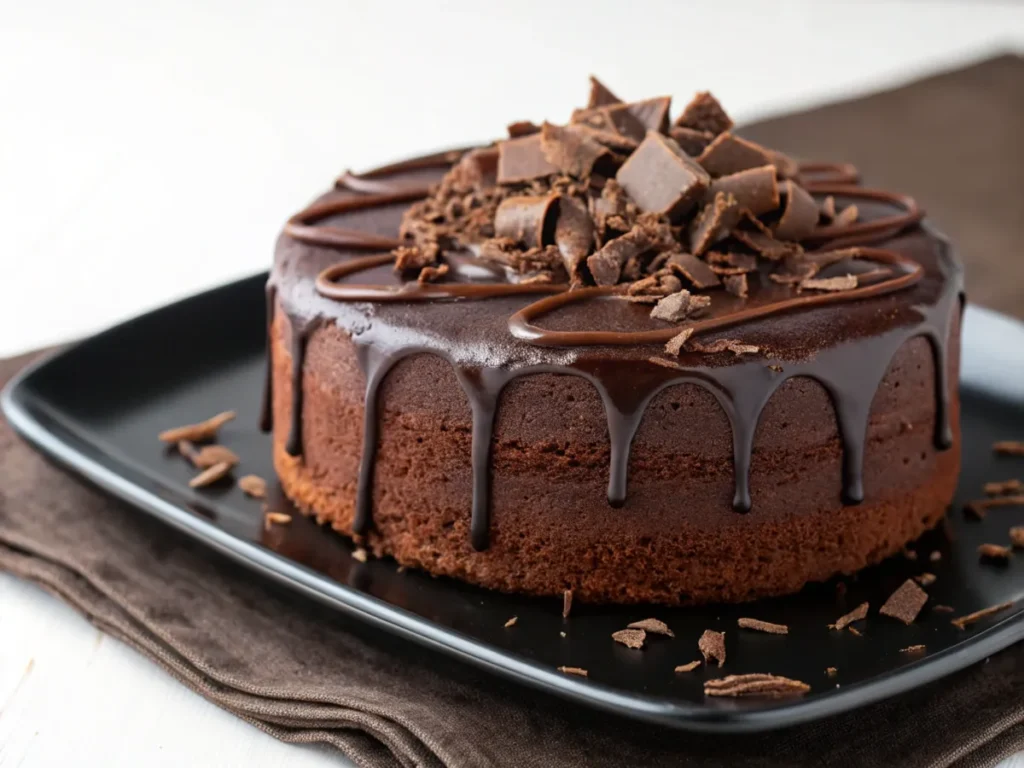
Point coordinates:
pixel 600 95
pixel 755 189
pixel 574 234
pixel 800 216
pixel 606 265
pixel 905 603
pixel 712 646
pixel 625 122
pixel 846 217
pixel 660 178
pixel 210 475
pixel 679 306
pixel 714 222
pixel 690 140
pixel 566 603
pixel 570 150
pixel 652 113
pixel 704 113
pixel 431 273
pixel 926 579
pixel 827 211
pixel 522 160
pixel 511 622
pixel 756 684
pixel 730 154
pixel 527 220
pixel 693 269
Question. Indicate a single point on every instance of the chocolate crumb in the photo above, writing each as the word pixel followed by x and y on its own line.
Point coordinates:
pixel 843 283
pixel 980 507
pixel 679 306
pixel 521 160
pixel 687 667
pixel 210 455
pixel 910 554
pixel 654 626
pixel 561 634
pixel 714 222
pixel 935 556
pixel 725 345
pixel 276 518
pixel 1017 536
pixel 925 579
pixel 430 273
pixel 511 622
pixel 210 475
pixel 1009 447
pixel 905 603
pixel 410 257
pixel 202 432
pixel 964 621
pixel 994 552
pixel 566 603
pixel 913 649
pixel 606 265
pixel 359 554
pixel 773 686
pixel 712 646
pixel 631 638
pixel 736 285
pixel 400 569
pixel 858 613
pixel 704 113
pixel 253 485
pixel 831 671
pixel 940 608
pixel 763 626
pixel 578 671
pixel 675 345
pixel 854 631
pixel 1003 488
pixel 697 272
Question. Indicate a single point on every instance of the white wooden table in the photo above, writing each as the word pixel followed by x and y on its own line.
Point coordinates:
pixel 148 150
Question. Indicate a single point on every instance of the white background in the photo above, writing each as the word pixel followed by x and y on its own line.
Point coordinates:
pixel 151 149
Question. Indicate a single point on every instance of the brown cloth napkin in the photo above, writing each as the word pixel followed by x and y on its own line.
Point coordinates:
pixel 306 674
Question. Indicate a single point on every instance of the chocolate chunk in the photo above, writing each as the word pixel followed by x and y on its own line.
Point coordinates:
pixel 631 638
pixel 800 214
pixel 926 579
pixel 511 622
pixel 606 265
pixel 693 269
pixel 963 622
pixel 835 284
pixel 1017 536
pixel 625 122
pixel 574 234
pixel 612 140
pixel 476 169
pixel 712 646
pixel 253 485
pixel 729 154
pixel 566 603
pixel 660 178
pixel 578 671
pixel 704 113
pixel 654 626
pixel 735 346
pixel 736 285
pixel 757 684
pixel 687 667
pixel 905 603
pixel 679 306
pixel 913 649
pixel 1002 488
pixel 755 189
pixel 571 151
pixel 522 160
pixel 1009 447
pixel 611 203
pixel 763 626
pixel 429 274
pixel 600 95
pixel 675 345
pixel 691 141
pixel 522 128
pixel 714 222
pixel 994 552
pixel 197 433
pixel 527 220
pixel 731 262
pixel 652 114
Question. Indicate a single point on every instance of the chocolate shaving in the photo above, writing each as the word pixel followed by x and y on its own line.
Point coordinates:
pixel 600 95
pixel 197 433
pixel 913 649
pixel 429 274
pixel 1009 447
pixel 925 579
pixel 963 622
pixel 736 285
pixel 979 507
pixel 666 363
pixel 654 626
pixel 691 141
pixel 675 345
pixel 800 214
pixel 755 189
pixel 660 178
pixel 714 222
pixel 858 613
pixel 994 552
pixel 679 306
pixel 359 554
pixel 578 671
pixel 275 518
pixel 1017 536
pixel 687 667
pixel 511 622
pixel 731 263
pixel 771 686
pixel 729 154
pixel 854 631
pixel 571 151
pixel 712 646
pixel 735 346
pixel 210 455
pixel 529 220
pixel 631 638
pixel 846 217
pixel 704 113
pixel 763 626
pixel 210 475
pixel 1003 488
pixel 905 603
pixel 522 128
pixel 253 485
pixel 522 160
pixel 943 608
pixel 697 272
pixel 833 284
pixel 606 265
pixel 566 603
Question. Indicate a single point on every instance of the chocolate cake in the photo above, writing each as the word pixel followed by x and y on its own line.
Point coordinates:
pixel 642 359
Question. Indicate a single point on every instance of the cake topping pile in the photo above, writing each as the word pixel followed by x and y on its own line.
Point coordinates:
pixel 673 212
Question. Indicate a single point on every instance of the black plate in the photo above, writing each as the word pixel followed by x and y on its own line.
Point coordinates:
pixel 98 407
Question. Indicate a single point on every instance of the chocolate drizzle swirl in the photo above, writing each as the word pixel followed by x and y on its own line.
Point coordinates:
pixel 850 373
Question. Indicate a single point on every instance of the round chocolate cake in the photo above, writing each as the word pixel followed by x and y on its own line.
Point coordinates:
pixel 642 360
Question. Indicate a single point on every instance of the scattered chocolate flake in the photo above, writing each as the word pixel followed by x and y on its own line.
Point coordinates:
pixel 858 613
pixel 574 234
pixel 606 265
pixel 430 273
pixel 1003 488
pixel 675 345
pixel 913 649
pixel 712 646
pixel 704 113
pixel 275 518
pixel 631 638
pixel 846 217
pixel 994 552
pixel 835 284
pixel 511 622
pixel 963 622
pixel 910 554
pixel 827 210
pixel 198 433
pixel 1009 447
pixel 522 160
pixel 359 554
pixel 679 306
pixel 935 556
pixel 979 507
pixel 730 154
pixel 735 346
pixel 210 475
pixel 1017 536
pixel 691 141
pixel 522 128
pixel 731 263
pixel 687 667
pixel 253 485
pixel 529 220
pixel 831 671
pixel 659 177
pixel 666 363
pixel 755 189
pixel 566 603
pixel 905 603
pixel 600 95
pixel 714 222
pixel 578 671
pixel 571 151
pixel 772 686
pixel 854 631
pixel 940 608
pixel 697 272
pixel 763 626
pixel 925 579
pixel 654 626
pixel 763 243
pixel 800 214
pixel 736 285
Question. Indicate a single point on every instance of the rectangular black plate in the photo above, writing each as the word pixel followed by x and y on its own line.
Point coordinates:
pixel 98 407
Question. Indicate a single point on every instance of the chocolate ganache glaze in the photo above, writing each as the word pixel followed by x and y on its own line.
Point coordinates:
pixel 491 327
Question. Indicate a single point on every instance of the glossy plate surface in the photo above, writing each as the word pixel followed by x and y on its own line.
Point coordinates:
pixel 97 408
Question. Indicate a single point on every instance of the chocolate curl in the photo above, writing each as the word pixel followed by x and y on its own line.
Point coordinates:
pixel 528 219
pixel 755 189
pixel 574 234
pixel 800 216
